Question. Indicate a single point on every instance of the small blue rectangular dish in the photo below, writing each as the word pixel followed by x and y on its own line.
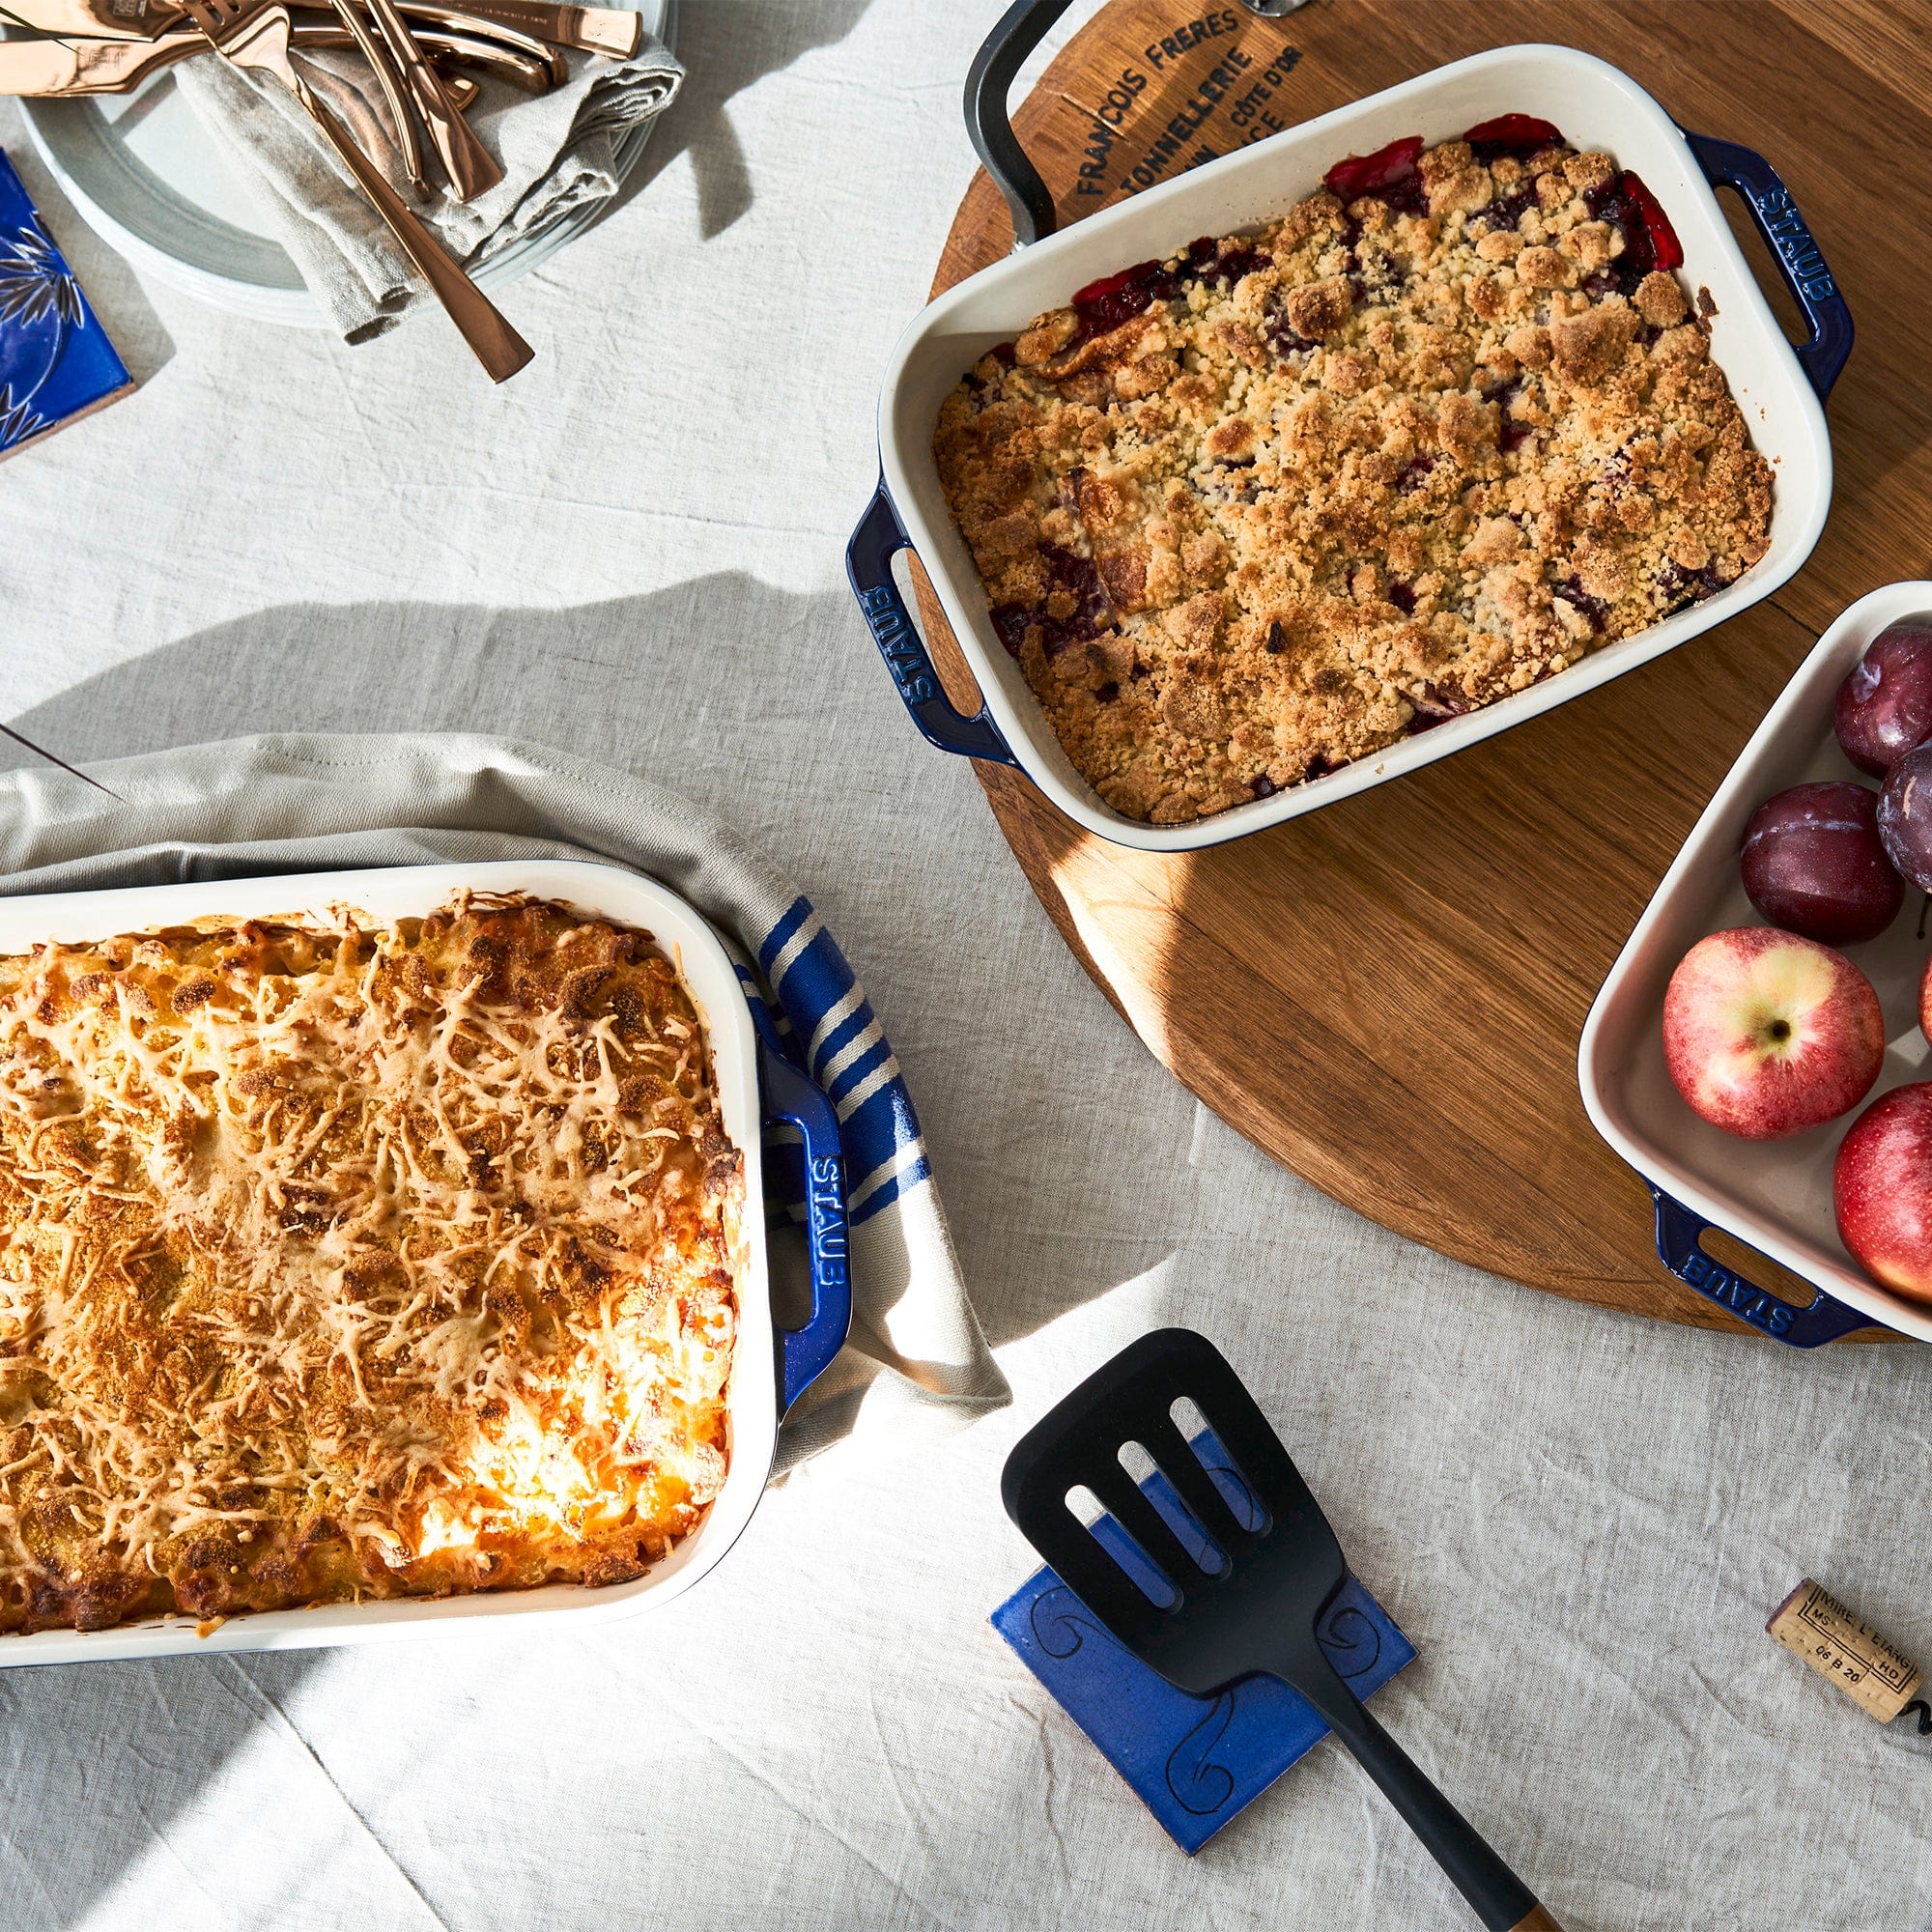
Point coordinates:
pixel 56 362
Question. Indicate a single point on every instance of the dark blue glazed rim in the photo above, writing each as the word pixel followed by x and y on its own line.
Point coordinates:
pixel 1679 1234
pixel 786 1094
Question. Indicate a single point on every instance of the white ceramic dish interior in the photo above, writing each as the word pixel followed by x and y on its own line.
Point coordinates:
pixel 1595 106
pixel 142 172
pixel 1776 1195
pixel 398 893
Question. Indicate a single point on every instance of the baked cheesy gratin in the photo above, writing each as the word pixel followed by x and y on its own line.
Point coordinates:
pixel 352 1259
pixel 1264 508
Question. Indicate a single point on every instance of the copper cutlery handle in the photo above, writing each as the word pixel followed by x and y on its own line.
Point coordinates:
pixel 407 145
pixel 501 350
pixel 462 20
pixel 471 168
pixel 76 69
pixel 519 70
pixel 43 69
pixel 616 32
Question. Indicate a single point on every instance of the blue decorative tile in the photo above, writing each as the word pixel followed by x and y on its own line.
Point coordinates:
pixel 56 362
pixel 1194 1761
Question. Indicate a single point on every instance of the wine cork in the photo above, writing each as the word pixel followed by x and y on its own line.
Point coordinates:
pixel 1877 1677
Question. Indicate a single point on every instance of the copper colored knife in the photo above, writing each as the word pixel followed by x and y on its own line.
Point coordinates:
pixel 616 32
pixel 389 79
pixel 77 68
pixel 472 169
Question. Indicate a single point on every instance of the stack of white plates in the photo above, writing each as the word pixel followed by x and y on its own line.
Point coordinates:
pixel 142 172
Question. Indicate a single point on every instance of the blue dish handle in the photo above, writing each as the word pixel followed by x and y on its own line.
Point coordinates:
pixel 806 1353
pixel 1725 165
pixel 868 563
pixel 1678 1234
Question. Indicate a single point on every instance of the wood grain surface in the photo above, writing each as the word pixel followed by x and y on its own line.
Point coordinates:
pixel 1385 995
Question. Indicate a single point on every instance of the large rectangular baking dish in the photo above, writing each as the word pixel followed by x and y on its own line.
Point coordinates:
pixel 1776 1195
pixel 755 1084
pixel 1781 390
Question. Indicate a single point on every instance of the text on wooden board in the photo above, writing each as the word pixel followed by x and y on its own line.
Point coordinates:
pixel 1238 87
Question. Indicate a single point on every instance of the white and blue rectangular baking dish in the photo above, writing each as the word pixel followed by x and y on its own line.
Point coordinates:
pixel 758 1086
pixel 1776 1196
pixel 1781 389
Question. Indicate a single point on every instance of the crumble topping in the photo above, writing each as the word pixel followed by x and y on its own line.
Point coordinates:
pixel 1270 505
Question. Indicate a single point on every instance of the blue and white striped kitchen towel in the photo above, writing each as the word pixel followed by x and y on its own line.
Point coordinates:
pixel 312 803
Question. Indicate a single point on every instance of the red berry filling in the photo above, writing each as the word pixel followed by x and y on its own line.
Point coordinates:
pixel 1113 299
pixel 1209 261
pixel 1069 577
pixel 1649 240
pixel 1508 210
pixel 1287 341
pixel 1677 588
pixel 1664 249
pixel 1518 134
pixel 1572 593
pixel 1389 175
pixel 1437 706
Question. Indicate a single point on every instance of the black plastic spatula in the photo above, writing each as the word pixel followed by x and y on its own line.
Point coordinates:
pixel 1252 1601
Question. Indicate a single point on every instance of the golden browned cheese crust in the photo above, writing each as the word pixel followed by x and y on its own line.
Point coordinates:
pixel 1366 470
pixel 353 1261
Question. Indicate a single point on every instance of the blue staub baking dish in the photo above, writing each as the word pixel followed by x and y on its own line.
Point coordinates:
pixel 1781 389
pixel 1774 1194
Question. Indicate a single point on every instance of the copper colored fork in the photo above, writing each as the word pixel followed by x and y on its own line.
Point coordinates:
pixel 255 37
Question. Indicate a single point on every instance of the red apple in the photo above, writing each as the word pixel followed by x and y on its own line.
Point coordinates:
pixel 1767 1033
pixel 1881 1187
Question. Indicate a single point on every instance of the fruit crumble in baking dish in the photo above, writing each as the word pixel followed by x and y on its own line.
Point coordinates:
pixel 347 1261
pixel 1264 508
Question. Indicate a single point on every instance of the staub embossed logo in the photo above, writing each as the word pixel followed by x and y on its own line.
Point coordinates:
pixel 823 1200
pixel 1793 240
pixel 898 644
pixel 1729 1290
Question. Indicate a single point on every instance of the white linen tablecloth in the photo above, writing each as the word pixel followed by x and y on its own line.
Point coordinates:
pixel 634 552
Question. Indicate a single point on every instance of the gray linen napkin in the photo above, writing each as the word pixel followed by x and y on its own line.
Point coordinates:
pixel 917 1363
pixel 557 151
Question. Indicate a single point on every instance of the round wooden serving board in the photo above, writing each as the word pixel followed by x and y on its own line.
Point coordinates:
pixel 1387 994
